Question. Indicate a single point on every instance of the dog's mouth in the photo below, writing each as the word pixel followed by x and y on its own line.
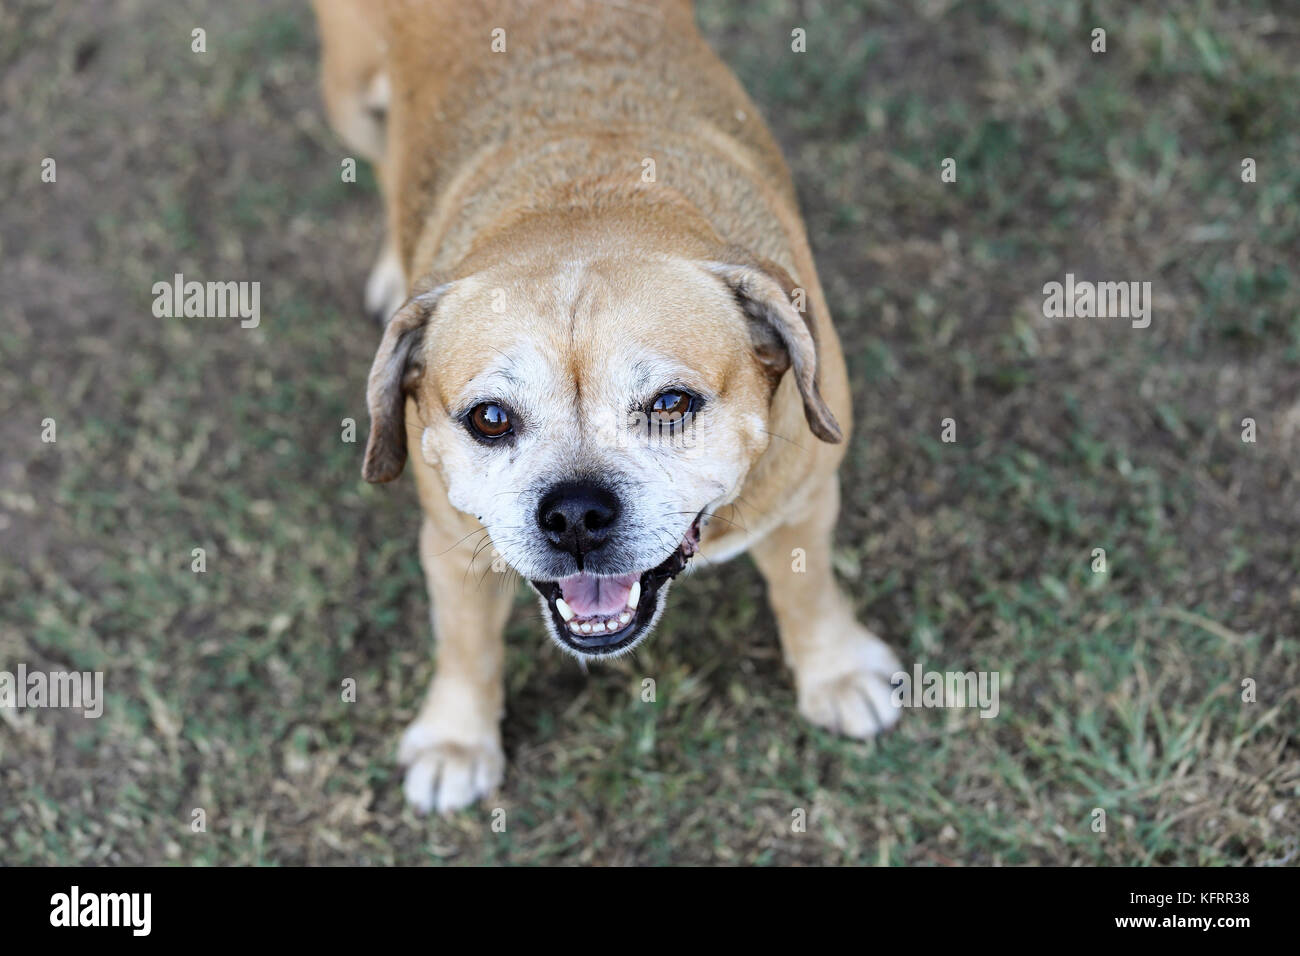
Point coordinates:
pixel 597 615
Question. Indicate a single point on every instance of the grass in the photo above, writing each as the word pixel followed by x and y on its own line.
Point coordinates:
pixel 1121 691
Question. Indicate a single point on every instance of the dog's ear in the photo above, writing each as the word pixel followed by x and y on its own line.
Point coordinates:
pixel 396 367
pixel 784 337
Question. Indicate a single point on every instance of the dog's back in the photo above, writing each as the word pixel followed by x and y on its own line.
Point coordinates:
pixel 499 103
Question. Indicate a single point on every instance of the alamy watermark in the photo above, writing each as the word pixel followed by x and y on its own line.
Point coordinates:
pixel 1101 300
pixel 208 300
pixel 947 689
pixel 80 690
pixel 130 910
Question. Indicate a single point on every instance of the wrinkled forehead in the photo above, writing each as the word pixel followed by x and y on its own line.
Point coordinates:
pixel 585 335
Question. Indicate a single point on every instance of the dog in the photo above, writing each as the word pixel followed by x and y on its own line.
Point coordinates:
pixel 605 347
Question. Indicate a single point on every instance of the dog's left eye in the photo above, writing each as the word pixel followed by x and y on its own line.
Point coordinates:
pixel 671 406
pixel 490 420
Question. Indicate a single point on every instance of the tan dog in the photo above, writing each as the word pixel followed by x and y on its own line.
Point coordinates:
pixel 613 349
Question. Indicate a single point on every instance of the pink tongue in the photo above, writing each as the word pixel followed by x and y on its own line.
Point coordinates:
pixel 592 596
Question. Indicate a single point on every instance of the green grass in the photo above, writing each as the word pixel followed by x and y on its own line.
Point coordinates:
pixel 1120 691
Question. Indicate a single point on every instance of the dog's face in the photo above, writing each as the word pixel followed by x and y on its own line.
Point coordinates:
pixel 590 414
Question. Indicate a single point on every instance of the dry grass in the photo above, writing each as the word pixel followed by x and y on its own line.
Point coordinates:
pixel 1120 691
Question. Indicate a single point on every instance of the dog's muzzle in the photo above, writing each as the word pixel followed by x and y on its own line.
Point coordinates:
pixel 597 615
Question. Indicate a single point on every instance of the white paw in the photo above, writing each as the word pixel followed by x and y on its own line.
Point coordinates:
pixel 852 694
pixel 386 287
pixel 445 775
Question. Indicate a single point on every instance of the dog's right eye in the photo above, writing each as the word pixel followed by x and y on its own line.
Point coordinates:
pixel 671 406
pixel 490 420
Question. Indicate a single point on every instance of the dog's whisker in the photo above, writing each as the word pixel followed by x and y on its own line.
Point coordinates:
pixel 783 438
pixel 710 517
pixel 478 550
pixel 456 543
pixel 749 504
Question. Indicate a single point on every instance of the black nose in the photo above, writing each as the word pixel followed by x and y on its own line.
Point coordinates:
pixel 577 517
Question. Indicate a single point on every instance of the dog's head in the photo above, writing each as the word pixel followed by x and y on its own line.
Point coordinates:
pixel 591 414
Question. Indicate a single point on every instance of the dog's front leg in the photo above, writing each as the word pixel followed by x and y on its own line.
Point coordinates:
pixel 842 671
pixel 452 750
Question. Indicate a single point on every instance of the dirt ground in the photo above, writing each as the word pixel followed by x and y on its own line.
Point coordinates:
pixel 1121 691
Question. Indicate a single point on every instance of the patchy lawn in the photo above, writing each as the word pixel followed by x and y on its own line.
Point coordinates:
pixel 1121 690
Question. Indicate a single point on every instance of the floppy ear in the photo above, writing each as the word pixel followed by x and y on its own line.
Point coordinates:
pixel 783 338
pixel 397 364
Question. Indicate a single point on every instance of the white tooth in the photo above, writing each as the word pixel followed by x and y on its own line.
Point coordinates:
pixel 566 612
pixel 611 625
pixel 625 617
pixel 585 628
pixel 634 596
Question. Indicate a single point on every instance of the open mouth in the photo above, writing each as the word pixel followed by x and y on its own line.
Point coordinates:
pixel 597 615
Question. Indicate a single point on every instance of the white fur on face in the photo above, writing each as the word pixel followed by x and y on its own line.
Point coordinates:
pixel 573 370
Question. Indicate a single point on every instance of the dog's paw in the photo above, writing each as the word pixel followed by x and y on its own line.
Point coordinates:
pixel 385 288
pixel 854 698
pixel 444 775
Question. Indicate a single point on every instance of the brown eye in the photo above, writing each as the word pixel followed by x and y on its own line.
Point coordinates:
pixel 671 406
pixel 490 420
